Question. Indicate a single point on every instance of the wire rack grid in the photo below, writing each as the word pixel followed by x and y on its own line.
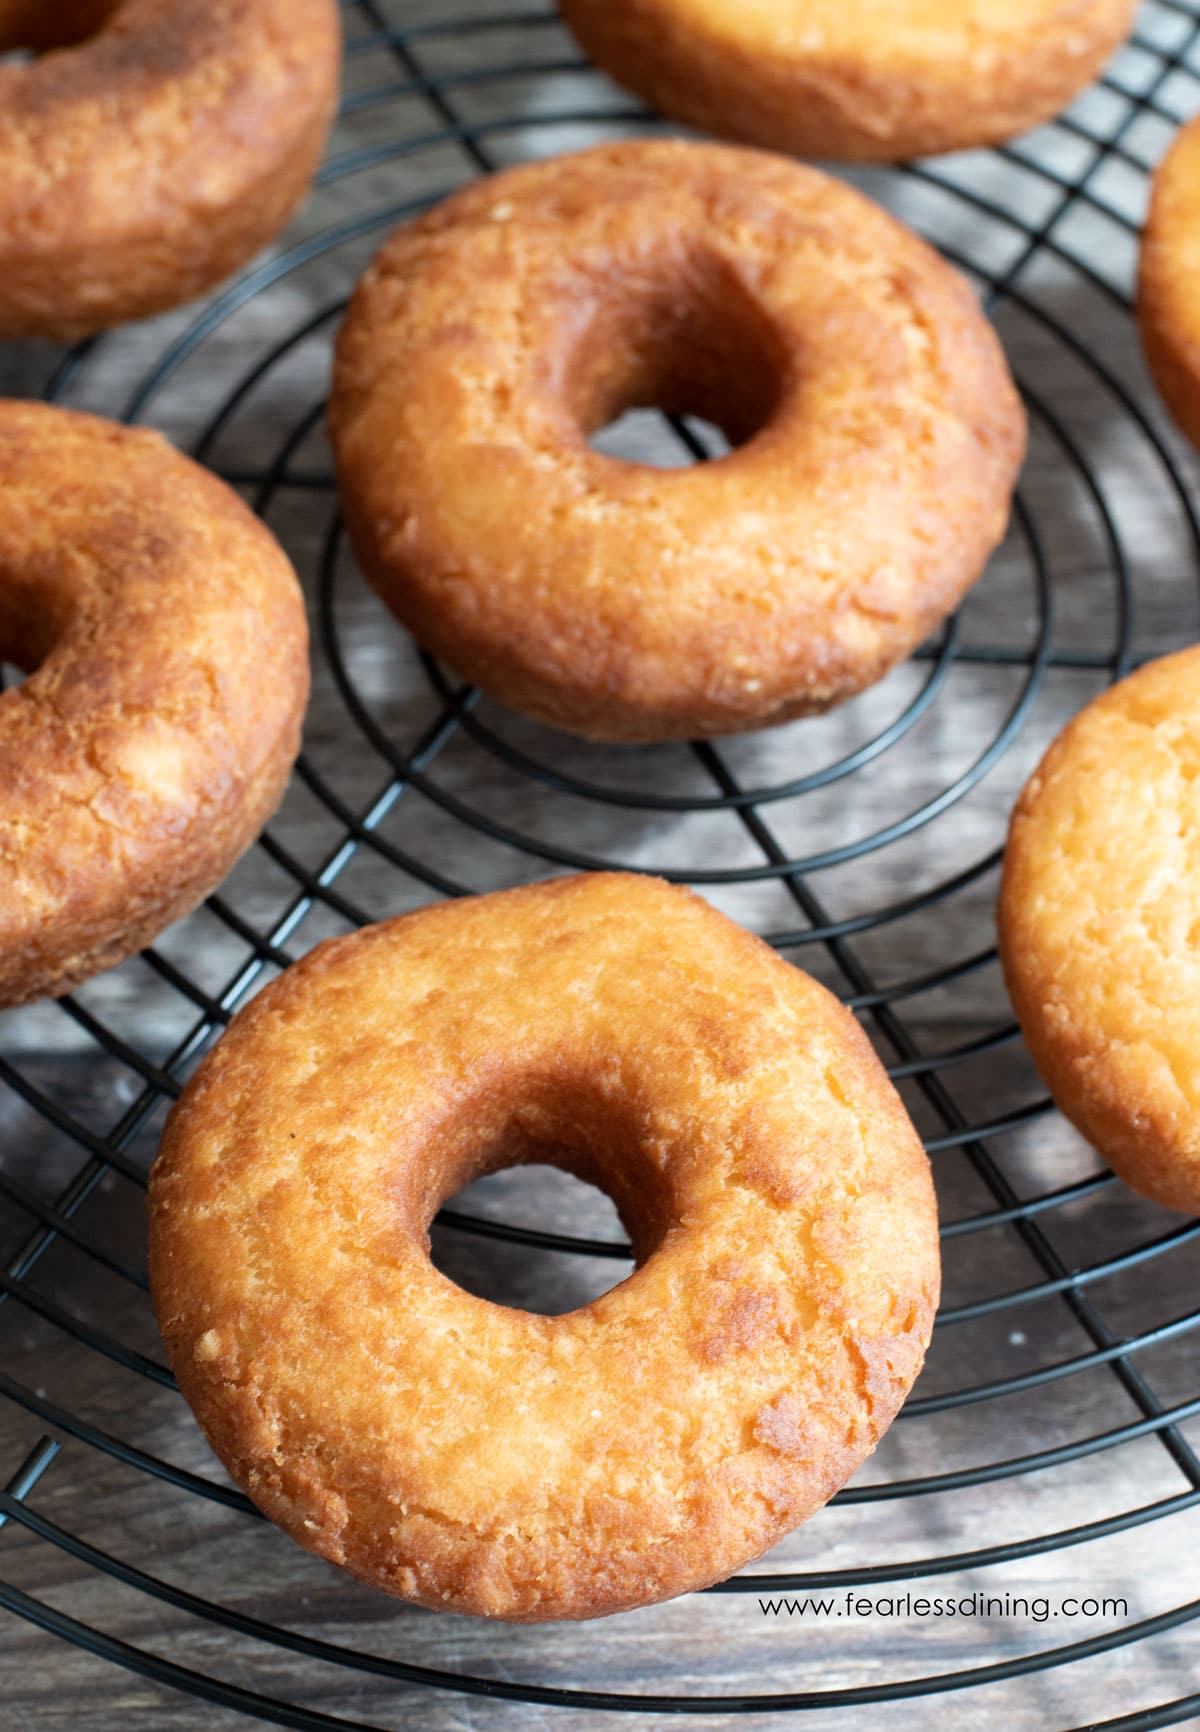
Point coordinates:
pixel 1054 1437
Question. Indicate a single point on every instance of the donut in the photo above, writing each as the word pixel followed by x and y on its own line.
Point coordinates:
pixel 1169 280
pixel 154 151
pixel 481 1459
pixel 164 636
pixel 1100 926
pixel 878 438
pixel 856 80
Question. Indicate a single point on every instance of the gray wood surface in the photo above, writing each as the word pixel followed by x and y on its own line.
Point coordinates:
pixel 1097 495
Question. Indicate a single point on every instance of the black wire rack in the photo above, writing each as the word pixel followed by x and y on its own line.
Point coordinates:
pixel 1056 1417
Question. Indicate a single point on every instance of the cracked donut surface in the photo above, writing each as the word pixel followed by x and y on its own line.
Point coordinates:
pixel 151 149
pixel 164 635
pixel 878 438
pixel 866 80
pixel 1100 926
pixel 486 1460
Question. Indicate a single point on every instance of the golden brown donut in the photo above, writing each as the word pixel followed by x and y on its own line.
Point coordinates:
pixel 151 149
pixel 1169 280
pixel 882 436
pixel 1100 926
pixel 481 1459
pixel 866 80
pixel 164 635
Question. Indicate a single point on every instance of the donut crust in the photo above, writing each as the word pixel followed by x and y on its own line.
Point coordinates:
pixel 152 149
pixel 485 1460
pixel 1169 280
pixel 882 438
pixel 1100 926
pixel 165 635
pixel 854 80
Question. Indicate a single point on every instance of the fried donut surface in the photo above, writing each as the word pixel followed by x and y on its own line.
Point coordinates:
pixel 164 635
pixel 1169 280
pixel 866 80
pixel 487 1460
pixel 1100 926
pixel 880 438
pixel 151 149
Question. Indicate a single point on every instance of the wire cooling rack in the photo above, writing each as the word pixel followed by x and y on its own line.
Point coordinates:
pixel 1051 1446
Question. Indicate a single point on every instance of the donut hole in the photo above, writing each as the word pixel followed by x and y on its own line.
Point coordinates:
pixel 545 1199
pixel 503 1147
pixel 32 27
pixel 31 626
pixel 693 341
pixel 640 436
